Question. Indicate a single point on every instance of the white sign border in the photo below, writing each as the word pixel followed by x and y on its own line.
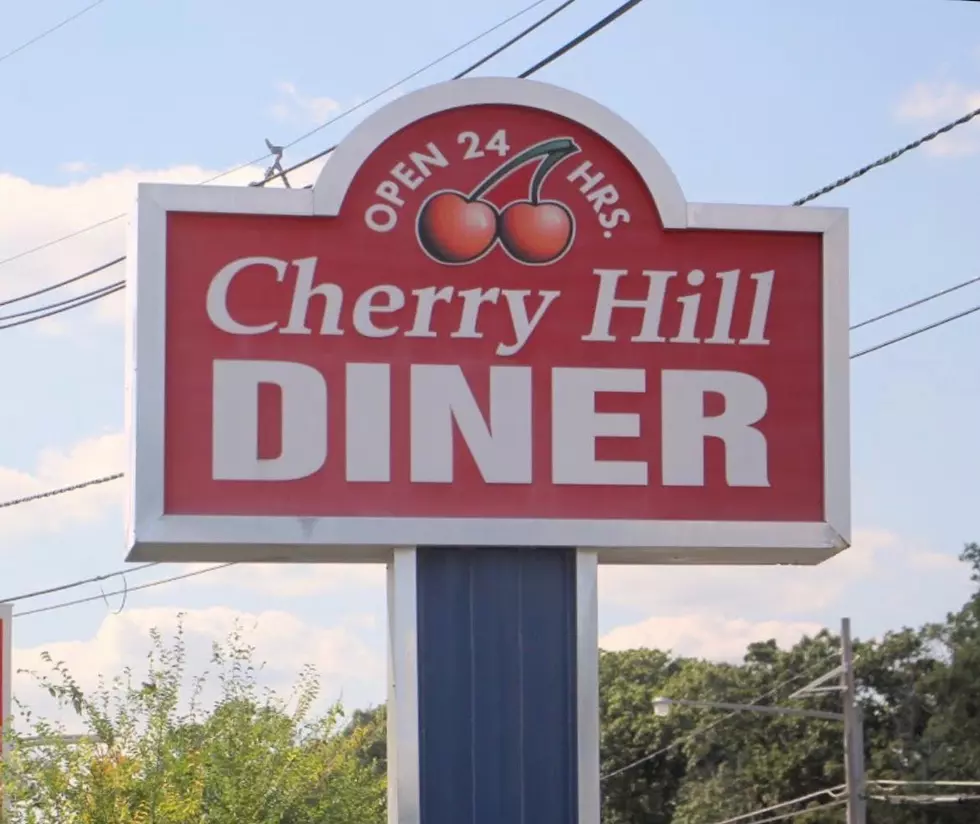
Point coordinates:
pixel 153 536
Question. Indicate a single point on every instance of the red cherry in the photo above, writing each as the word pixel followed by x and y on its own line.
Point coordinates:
pixel 453 229
pixel 536 232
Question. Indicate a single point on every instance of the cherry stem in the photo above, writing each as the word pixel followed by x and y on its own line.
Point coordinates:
pixel 554 150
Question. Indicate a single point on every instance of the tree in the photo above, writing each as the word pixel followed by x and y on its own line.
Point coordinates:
pixel 152 757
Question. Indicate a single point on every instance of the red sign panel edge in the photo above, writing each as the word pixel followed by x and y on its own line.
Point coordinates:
pixel 153 536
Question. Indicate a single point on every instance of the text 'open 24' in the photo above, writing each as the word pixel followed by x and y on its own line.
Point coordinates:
pixel 494 320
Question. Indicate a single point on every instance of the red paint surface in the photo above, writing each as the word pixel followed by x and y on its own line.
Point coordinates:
pixel 356 258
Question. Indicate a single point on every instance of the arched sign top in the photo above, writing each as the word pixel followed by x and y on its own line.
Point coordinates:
pixel 347 159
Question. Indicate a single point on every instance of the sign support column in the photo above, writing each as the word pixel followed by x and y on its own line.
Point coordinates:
pixel 493 708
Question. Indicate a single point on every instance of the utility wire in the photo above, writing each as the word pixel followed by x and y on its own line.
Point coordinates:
pixel 345 113
pixel 60 491
pixel 62 283
pixel 610 18
pixel 914 303
pixel 806 811
pixel 889 158
pixel 831 791
pixel 95 579
pixel 571 44
pixel 81 300
pixel 913 333
pixel 52 30
pixel 103 595
pixel 697 731
pixel 100 292
pixel 517 38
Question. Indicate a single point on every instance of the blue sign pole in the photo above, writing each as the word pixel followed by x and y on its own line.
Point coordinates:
pixel 493 693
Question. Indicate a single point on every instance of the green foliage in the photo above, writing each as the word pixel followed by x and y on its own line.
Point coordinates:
pixel 155 755
pixel 920 695
pixel 253 758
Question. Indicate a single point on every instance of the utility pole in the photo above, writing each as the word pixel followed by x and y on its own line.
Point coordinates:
pixel 853 731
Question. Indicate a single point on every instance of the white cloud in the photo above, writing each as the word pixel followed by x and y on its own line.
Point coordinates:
pixel 935 103
pixel 76 166
pixel 283 643
pixel 704 635
pixel 92 458
pixel 294 105
pixel 734 589
pixel 34 214
pixel 294 581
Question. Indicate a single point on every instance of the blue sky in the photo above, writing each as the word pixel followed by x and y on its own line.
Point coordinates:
pixel 753 101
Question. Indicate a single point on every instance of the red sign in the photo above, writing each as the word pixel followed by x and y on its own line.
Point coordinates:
pixel 494 320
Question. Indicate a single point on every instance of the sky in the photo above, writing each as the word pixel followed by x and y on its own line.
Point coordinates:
pixel 753 101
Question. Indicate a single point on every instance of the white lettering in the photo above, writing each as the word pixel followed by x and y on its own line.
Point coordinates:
pixel 368 413
pixel 760 309
pixel 726 307
pixel 685 427
pixel 576 424
pixel 523 327
pixel 304 289
pixel 364 308
pixel 427 299
pixel 473 299
pixel 216 303
pixel 652 305
pixel 501 449
pixel 235 421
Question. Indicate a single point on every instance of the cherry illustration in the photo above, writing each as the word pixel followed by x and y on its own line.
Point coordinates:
pixel 536 232
pixel 539 232
pixel 453 228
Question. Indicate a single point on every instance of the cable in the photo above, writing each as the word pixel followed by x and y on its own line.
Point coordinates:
pixel 101 595
pixel 95 294
pixel 425 68
pixel 831 791
pixel 581 38
pixel 888 158
pixel 74 303
pixel 783 817
pixel 550 58
pixel 446 56
pixel 61 490
pixel 913 333
pixel 75 584
pixel 52 30
pixel 710 726
pixel 66 282
pixel 914 303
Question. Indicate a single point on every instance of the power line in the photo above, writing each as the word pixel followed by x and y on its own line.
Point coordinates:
pixel 914 332
pixel 50 31
pixel 61 491
pixel 564 49
pixel 125 591
pixel 95 579
pixel 345 113
pixel 578 40
pixel 66 282
pixel 889 158
pixel 697 731
pixel 833 792
pixel 63 306
pixel 915 303
pixel 95 294
pixel 516 39
pixel 550 58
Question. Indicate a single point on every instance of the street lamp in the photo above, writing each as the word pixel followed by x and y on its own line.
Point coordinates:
pixel 662 705
pixel 850 717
